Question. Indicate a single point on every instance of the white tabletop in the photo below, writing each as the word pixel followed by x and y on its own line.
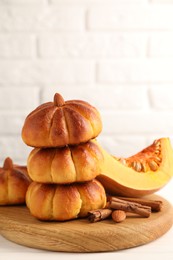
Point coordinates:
pixel 158 249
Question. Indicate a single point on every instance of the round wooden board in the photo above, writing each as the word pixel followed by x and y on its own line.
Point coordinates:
pixel 17 225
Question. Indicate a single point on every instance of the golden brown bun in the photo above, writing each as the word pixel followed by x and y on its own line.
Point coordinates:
pixel 60 123
pixel 64 202
pixel 65 165
pixel 13 183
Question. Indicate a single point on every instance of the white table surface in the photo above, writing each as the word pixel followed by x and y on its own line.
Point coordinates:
pixel 158 249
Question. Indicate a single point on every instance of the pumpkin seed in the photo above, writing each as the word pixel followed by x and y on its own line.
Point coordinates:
pixel 157 152
pixel 138 167
pixel 157 146
pixel 157 159
pixel 157 142
pixel 144 167
pixel 123 161
pixel 133 164
pixel 153 165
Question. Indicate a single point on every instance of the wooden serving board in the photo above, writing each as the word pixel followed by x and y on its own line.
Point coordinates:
pixel 17 225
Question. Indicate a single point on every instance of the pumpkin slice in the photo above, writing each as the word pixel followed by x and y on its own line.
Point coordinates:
pixel 141 174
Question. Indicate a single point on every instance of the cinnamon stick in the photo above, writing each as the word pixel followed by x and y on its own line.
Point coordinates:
pixel 127 206
pixel 99 214
pixel 156 205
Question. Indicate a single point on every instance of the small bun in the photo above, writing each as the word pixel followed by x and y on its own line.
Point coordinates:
pixel 64 202
pixel 60 123
pixel 65 165
pixel 14 182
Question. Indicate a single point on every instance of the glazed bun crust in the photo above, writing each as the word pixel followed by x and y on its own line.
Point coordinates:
pixel 64 202
pixel 65 165
pixel 60 123
pixel 13 183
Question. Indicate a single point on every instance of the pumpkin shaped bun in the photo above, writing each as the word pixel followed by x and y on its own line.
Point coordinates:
pixel 64 202
pixel 66 164
pixel 14 183
pixel 61 123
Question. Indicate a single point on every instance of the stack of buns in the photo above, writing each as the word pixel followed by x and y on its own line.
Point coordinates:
pixel 65 161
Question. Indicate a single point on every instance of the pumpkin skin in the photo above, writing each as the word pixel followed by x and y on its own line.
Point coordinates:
pixel 122 180
pixel 61 123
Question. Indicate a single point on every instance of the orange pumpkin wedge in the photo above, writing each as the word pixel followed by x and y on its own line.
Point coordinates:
pixel 141 174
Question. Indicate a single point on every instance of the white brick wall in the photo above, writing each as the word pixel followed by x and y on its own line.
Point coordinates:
pixel 160 44
pixel 117 55
pixel 92 45
pixel 136 71
pixel 122 17
pixel 17 98
pixel 17 46
pixel 51 71
pixel 40 18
